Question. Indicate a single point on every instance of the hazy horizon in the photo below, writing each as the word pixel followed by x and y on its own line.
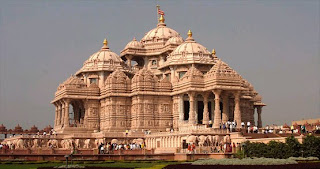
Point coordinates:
pixel 272 44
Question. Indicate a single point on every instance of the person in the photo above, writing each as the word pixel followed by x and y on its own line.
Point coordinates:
pixel 102 149
pixel 193 148
pixel 1 146
pixel 231 126
pixel 99 148
pixel 189 148
pixel 242 124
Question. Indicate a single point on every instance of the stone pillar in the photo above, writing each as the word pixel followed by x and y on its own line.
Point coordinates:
pixel 195 108
pixel 146 62
pixel 172 74
pixel 212 110
pixel 181 107
pixel 251 112
pixel 237 112
pixel 205 109
pixel 129 63
pixel 66 114
pixel 56 115
pixel 259 110
pixel 59 114
pixel 217 112
pixel 192 119
pixel 101 80
pixel 62 112
pixel 225 112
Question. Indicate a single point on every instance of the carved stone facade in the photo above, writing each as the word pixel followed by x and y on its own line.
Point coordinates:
pixel 159 83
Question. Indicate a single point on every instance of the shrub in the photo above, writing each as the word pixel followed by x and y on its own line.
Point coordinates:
pixel 294 146
pixel 245 161
pixel 311 146
pixel 71 166
pixel 304 158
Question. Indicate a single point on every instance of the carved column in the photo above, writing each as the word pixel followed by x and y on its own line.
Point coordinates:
pixel 192 119
pixel 101 80
pixel 259 110
pixel 217 112
pixel 237 112
pixel 205 108
pixel 181 108
pixel 129 58
pixel 225 113
pixel 66 113
pixel 62 112
pixel 59 114
pixel 251 112
pixel 56 115
pixel 172 74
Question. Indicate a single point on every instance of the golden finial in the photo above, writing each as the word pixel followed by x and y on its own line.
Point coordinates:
pixel 213 52
pixel 161 19
pixel 105 42
pixel 189 33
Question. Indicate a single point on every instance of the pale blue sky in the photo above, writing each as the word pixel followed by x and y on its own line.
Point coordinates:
pixel 272 44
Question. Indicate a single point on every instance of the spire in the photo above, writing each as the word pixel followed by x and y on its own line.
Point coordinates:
pixel 213 52
pixel 190 38
pixel 161 19
pixel 189 33
pixel 105 44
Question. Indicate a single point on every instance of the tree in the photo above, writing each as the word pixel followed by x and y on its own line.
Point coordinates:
pixel 277 150
pixel 311 146
pixel 294 146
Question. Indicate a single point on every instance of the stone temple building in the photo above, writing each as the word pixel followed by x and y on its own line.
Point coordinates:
pixel 162 82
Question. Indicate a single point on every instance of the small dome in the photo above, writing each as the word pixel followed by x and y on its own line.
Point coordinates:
pixel 104 59
pixel 193 73
pixel 18 128
pixel 175 40
pixel 144 75
pixel 190 52
pixel 257 98
pixel 117 76
pixel 144 80
pixel 34 129
pixel 2 128
pixel 160 32
pixel 47 129
pixel 134 44
pixel 72 81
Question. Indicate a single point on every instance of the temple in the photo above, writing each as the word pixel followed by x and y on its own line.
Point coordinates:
pixel 159 83
pixel 164 91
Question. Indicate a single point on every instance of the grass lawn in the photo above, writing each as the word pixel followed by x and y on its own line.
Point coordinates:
pixel 122 164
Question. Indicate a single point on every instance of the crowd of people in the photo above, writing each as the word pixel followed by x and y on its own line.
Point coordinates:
pixel 110 147
pixel 218 148
pixel 4 146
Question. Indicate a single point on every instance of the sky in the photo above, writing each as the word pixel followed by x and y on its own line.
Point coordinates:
pixel 272 44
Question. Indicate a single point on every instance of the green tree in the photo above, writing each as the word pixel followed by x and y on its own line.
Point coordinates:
pixel 294 147
pixel 311 146
pixel 277 150
pixel 255 149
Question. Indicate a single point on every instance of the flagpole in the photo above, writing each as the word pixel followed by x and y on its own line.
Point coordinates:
pixel 158 7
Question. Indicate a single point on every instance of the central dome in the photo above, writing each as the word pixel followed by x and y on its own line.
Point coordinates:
pixel 159 34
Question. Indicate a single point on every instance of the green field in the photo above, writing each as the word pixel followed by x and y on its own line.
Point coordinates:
pixel 120 164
